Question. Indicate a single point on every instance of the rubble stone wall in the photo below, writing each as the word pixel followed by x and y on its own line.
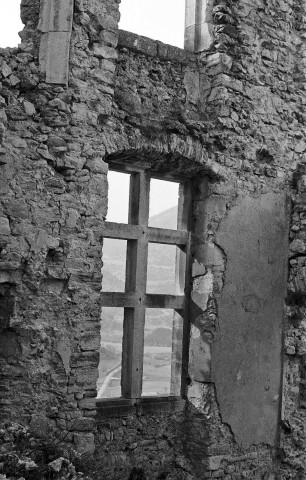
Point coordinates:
pixel 233 115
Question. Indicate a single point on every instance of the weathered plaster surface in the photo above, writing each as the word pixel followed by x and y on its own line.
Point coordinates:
pixel 247 351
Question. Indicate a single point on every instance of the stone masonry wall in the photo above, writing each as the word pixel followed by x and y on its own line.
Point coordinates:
pixel 234 115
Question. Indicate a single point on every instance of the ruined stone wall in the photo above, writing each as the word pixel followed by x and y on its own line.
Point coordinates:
pixel 233 115
pixel 263 56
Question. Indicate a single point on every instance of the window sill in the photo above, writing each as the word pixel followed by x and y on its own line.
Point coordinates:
pixel 123 407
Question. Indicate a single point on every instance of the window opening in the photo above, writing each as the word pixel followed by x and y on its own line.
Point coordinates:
pixel 118 196
pixel 158 19
pixel 138 302
pixel 158 358
pixel 109 382
pixel 10 23
pixel 163 204
pixel 114 261
pixel 161 269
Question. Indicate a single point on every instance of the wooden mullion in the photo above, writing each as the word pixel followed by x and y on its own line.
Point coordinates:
pixel 180 330
pixel 168 177
pixel 186 324
pixel 177 353
pixel 132 352
pixel 136 279
pixel 139 199
pixel 184 214
pixel 137 251
pixel 127 168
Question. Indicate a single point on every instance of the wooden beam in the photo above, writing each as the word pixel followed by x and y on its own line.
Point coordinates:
pixel 177 353
pixel 164 301
pixel 139 199
pixel 132 352
pixel 149 300
pixel 134 232
pixel 121 230
pixel 136 280
pixel 181 329
pixel 165 236
pixel 120 299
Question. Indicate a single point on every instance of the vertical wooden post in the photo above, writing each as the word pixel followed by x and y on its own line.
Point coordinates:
pixel 136 280
pixel 180 329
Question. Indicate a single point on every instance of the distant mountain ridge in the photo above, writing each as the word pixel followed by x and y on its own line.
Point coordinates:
pixel 165 219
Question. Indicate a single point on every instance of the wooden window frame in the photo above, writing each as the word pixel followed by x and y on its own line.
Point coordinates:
pixel 135 300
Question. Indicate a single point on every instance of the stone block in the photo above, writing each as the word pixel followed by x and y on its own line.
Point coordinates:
pixel 96 165
pixel 88 403
pixel 84 442
pixel 214 462
pixel 4 226
pixel 109 38
pixel 297 246
pixel 18 209
pixel 219 63
pixel 104 51
pixel 137 43
pixel 29 108
pixel 108 23
pixel 89 341
pixel 83 424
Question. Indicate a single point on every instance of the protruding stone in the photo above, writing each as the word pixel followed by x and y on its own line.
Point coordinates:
pixel 96 165
pixel 4 226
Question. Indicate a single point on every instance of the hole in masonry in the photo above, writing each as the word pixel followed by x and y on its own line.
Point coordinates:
pixel 158 19
pixel 10 23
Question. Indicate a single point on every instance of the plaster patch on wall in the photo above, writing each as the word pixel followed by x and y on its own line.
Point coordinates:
pixel 63 349
pixel 246 354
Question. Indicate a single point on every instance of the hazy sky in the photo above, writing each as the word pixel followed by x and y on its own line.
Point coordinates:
pixel 10 23
pixel 159 19
pixel 163 195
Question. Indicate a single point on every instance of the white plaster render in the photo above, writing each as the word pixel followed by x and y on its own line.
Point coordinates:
pixel 198 25
pixel 55 24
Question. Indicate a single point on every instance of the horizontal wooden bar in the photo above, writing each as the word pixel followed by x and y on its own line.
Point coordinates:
pixel 135 232
pixel 122 167
pixel 121 231
pixel 169 177
pixel 120 299
pixel 165 236
pixel 149 300
pixel 164 301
